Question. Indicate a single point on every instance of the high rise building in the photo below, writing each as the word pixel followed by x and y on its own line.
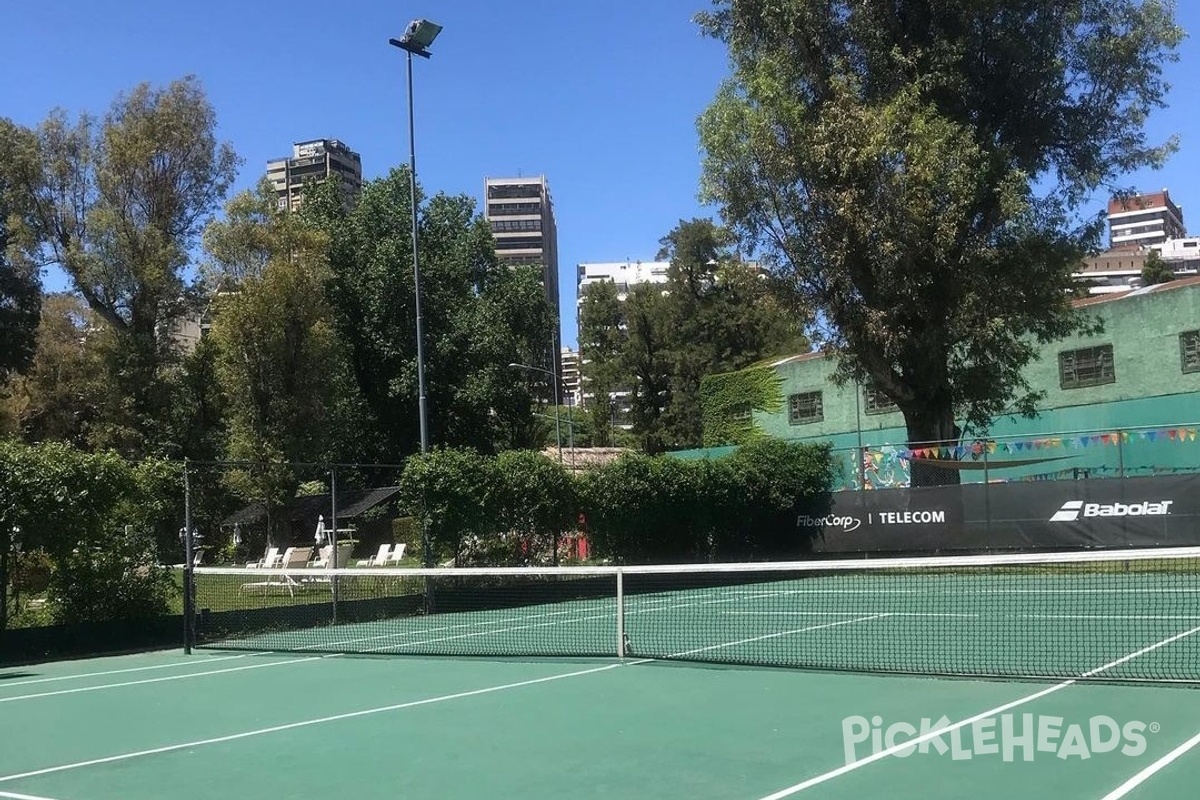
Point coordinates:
pixel 624 274
pixel 521 215
pixel 1142 220
pixel 570 376
pixel 320 160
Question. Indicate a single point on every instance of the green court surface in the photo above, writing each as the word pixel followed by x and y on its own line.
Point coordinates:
pixel 239 724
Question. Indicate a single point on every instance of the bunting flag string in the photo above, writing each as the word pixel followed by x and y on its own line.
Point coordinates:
pixel 976 450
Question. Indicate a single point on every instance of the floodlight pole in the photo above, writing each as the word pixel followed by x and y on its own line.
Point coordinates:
pixel 416 40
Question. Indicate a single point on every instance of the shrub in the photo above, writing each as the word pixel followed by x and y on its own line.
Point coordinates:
pixel 118 579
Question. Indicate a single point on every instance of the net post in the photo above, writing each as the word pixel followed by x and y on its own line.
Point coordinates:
pixel 620 614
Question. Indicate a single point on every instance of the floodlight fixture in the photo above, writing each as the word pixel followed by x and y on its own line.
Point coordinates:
pixel 417 37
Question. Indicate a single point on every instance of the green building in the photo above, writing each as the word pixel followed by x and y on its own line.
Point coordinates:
pixel 1123 402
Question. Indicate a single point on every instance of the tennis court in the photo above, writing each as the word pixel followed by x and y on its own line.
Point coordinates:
pixel 342 685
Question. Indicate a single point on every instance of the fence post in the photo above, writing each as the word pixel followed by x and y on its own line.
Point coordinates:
pixel 987 492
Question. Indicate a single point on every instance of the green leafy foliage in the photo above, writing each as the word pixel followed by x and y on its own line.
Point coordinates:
pixel 478 317
pixel 913 173
pixel 727 400
pixel 1156 270
pixel 644 509
pixel 101 523
pixel 117 203
pixel 715 313
pixel 451 491
pixel 114 578
pixel 534 501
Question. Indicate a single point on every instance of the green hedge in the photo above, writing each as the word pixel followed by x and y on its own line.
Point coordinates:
pixel 98 522
pixel 638 510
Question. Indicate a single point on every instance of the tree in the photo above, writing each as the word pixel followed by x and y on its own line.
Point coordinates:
pixel 600 343
pixel 20 296
pixel 1156 270
pixel 59 398
pixel 117 203
pixel 912 170
pixel 724 315
pixel 479 316
pixel 279 362
pixel 646 360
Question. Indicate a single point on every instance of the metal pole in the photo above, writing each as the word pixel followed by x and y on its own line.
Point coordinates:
pixel 333 541
pixel 422 408
pixel 571 431
pixel 412 185
pixel 620 614
pixel 188 576
pixel 860 454
pixel 557 423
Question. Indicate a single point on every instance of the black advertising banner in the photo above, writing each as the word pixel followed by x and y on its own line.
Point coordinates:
pixel 1102 513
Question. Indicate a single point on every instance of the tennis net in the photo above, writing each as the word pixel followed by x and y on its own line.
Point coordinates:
pixel 1110 615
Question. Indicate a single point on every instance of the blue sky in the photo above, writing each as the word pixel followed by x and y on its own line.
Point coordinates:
pixel 602 98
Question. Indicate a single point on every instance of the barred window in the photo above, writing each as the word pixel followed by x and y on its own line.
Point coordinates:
pixel 877 402
pixel 1089 366
pixel 804 408
pixel 1189 351
pixel 741 412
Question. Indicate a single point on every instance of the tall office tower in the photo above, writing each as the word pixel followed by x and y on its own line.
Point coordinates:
pixel 320 160
pixel 1143 219
pixel 521 215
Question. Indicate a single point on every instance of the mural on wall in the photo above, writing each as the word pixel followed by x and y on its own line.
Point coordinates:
pixel 1113 453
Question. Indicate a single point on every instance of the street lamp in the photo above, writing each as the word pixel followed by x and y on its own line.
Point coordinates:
pixel 415 41
pixel 557 421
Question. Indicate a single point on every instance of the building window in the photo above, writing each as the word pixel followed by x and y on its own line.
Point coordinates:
pixel 1189 351
pixel 740 412
pixel 877 402
pixel 805 408
pixel 1090 366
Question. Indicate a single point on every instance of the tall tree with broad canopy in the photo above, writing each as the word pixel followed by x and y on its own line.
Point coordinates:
pixel 117 203
pixel 724 314
pixel 479 316
pixel 915 170
pixel 20 289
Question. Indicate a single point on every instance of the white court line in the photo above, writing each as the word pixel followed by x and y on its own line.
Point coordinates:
pixel 384 709
pixel 775 635
pixel 1143 617
pixel 1137 780
pixel 16 796
pixel 843 770
pixel 941 590
pixel 856 614
pixel 79 689
pixel 200 661
pixel 305 723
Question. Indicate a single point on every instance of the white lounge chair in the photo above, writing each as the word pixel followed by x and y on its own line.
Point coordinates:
pixel 397 555
pixel 268 561
pixel 293 558
pixel 379 559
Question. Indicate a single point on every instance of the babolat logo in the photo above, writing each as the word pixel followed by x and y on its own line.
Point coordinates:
pixel 1074 509
pixel 847 524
